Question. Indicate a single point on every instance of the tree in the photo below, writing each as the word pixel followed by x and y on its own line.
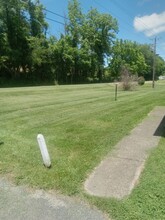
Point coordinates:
pixel 38 26
pixel 160 66
pixel 63 56
pixel 21 21
pixel 27 53
pixel 74 35
pixel 15 29
pixel 99 30
pixel 91 36
pixel 127 53
pixel 148 54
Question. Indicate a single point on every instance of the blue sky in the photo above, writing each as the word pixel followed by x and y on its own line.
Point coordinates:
pixel 139 20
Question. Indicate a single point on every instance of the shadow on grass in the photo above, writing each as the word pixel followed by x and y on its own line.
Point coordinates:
pixel 160 131
pixel 1 142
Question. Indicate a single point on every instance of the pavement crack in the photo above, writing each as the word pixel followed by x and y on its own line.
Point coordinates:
pixel 127 158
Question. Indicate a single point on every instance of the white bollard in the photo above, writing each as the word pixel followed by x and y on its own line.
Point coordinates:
pixel 44 151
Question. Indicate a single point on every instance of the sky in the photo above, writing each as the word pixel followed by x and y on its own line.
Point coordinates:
pixel 138 20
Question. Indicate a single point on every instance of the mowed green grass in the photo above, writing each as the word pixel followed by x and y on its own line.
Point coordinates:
pixel 81 124
pixel 147 201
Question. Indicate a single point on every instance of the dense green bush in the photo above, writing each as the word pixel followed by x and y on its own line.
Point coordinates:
pixel 141 80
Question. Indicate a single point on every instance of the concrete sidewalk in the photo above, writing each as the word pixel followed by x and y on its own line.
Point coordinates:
pixel 21 203
pixel 117 175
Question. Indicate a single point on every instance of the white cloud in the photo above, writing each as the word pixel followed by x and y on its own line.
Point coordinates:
pixel 150 24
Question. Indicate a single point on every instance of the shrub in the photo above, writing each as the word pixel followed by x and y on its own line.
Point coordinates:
pixel 141 80
pixel 92 80
pixel 128 81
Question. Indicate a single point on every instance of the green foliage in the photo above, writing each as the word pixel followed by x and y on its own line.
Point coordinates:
pixel 160 66
pixel 91 37
pixel 22 30
pixel 141 80
pixel 38 26
pixel 148 55
pixel 127 53
pixel 28 54
pixel 100 31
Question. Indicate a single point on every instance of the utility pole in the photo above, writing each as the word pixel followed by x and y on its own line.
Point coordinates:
pixel 154 64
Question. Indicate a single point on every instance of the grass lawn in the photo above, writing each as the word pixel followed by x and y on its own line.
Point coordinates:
pixel 81 124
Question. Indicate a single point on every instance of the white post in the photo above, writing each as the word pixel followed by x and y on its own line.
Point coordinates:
pixel 44 151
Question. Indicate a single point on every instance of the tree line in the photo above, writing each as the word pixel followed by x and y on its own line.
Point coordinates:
pixel 28 54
